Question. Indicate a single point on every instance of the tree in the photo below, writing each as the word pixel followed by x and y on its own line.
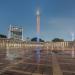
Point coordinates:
pixel 57 40
pixel 35 39
pixel 3 36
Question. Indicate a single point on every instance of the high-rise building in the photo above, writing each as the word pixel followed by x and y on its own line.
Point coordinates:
pixel 15 32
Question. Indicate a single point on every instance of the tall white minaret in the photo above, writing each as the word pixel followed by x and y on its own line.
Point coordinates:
pixel 37 54
pixel 38 24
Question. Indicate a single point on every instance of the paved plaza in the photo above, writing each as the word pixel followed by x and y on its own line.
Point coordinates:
pixel 51 63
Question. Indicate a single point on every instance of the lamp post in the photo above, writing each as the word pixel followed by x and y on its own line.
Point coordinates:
pixel 72 45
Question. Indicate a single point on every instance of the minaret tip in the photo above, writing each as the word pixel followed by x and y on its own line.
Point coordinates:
pixel 38 12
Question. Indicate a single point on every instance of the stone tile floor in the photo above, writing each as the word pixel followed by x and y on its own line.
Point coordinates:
pixel 29 66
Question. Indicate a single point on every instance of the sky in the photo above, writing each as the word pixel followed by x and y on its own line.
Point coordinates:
pixel 57 17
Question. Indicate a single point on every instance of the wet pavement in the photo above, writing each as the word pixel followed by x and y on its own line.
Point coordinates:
pixel 50 63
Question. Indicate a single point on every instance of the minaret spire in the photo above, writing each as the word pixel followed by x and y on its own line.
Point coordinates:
pixel 38 23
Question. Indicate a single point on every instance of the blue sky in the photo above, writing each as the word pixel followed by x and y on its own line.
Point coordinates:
pixel 57 17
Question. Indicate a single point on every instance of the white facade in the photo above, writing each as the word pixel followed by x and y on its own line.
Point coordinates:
pixel 15 32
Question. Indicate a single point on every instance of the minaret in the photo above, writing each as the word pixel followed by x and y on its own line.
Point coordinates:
pixel 38 24
pixel 37 54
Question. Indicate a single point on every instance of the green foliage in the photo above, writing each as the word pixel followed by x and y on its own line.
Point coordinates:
pixel 3 36
pixel 57 40
pixel 35 39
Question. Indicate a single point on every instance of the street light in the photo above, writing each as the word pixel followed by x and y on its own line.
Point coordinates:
pixel 72 45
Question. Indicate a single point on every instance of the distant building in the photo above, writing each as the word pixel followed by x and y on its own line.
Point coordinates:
pixel 15 32
pixel 11 48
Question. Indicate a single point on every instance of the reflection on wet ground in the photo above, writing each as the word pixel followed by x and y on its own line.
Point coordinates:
pixel 29 66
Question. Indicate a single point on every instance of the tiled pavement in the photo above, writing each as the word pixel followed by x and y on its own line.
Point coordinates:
pixel 50 64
